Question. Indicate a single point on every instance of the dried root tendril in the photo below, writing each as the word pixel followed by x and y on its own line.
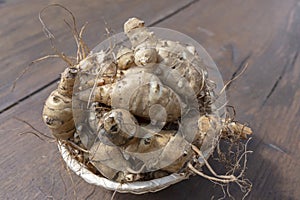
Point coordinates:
pixel 74 145
pixel 35 132
pixel 82 48
pixel 226 86
pixel 230 177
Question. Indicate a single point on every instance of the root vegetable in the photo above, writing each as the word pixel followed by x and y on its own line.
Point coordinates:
pixel 125 58
pixel 104 158
pixel 57 113
pixel 149 110
pixel 120 126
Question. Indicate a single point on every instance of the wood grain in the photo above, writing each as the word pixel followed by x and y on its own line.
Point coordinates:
pixel 22 38
pixel 263 33
pixel 265 96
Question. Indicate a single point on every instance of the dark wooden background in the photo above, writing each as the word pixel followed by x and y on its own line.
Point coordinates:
pixel 264 33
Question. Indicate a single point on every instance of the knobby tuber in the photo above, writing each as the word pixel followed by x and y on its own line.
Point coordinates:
pixel 141 111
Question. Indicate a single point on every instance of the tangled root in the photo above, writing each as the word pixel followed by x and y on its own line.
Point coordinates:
pixel 235 162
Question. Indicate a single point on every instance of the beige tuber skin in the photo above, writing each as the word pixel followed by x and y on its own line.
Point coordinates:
pixel 111 163
pixel 125 58
pixel 128 87
pixel 57 113
pixel 145 89
pixel 120 126
pixel 146 47
pixel 143 42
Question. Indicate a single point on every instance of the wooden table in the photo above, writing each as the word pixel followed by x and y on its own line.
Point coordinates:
pixel 265 34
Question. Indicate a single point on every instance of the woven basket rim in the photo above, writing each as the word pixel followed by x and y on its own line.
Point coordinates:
pixel 138 187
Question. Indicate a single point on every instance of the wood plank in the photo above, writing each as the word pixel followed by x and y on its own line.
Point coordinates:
pixel 23 41
pixel 267 96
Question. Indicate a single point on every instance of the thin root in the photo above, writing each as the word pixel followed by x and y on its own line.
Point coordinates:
pixel 136 171
pixel 75 146
pixel 27 68
pixel 226 86
pixel 82 49
pixel 209 177
pixel 230 177
pixel 36 133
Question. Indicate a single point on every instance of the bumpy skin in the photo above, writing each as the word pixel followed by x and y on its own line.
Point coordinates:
pixel 120 126
pixel 104 157
pixel 182 59
pixel 148 50
pixel 131 75
pixel 133 23
pixel 125 58
pixel 57 113
pixel 136 89
pixel 140 89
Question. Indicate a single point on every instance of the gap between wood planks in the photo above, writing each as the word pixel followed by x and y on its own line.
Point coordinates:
pixel 294 47
pixel 241 65
pixel 290 63
pixel 57 79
